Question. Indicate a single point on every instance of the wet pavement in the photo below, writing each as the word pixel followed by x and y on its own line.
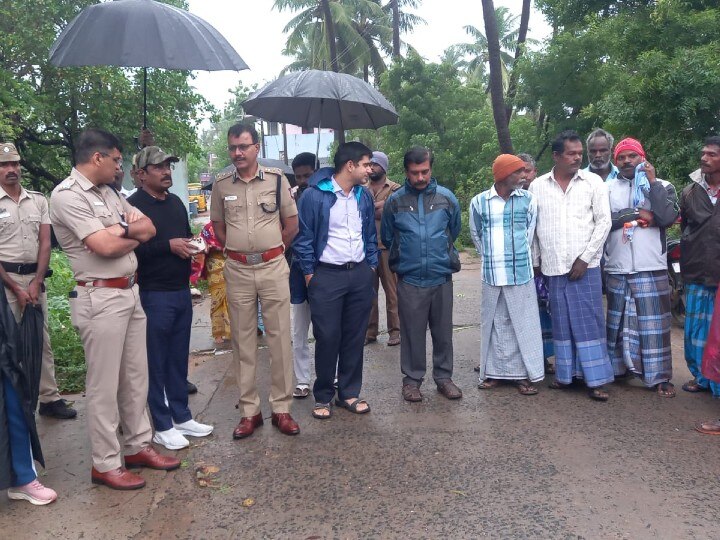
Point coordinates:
pixel 494 464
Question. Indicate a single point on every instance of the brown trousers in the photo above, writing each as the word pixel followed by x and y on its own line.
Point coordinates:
pixel 389 283
pixel 112 326
pixel 268 281
pixel 48 386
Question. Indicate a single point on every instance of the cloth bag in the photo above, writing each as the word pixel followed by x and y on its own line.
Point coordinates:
pixel 710 367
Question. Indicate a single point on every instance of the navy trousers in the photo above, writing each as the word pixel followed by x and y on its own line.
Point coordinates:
pixel 169 319
pixel 19 437
pixel 340 304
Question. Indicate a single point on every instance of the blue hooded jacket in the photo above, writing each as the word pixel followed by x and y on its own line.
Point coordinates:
pixel 419 229
pixel 314 217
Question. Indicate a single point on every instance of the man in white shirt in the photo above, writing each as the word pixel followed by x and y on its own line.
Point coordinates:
pixel 336 249
pixel 572 225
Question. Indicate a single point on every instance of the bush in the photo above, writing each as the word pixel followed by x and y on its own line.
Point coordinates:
pixel 65 341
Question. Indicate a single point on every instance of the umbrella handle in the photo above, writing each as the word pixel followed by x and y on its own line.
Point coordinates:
pixel 145 97
pixel 317 146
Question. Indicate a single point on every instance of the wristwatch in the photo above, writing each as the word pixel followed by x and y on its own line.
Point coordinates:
pixel 126 229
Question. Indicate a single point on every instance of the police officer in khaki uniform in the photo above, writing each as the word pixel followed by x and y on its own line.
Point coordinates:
pixel 99 230
pixel 24 261
pixel 255 218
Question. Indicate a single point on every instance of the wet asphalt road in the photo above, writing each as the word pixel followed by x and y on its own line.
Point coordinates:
pixel 494 464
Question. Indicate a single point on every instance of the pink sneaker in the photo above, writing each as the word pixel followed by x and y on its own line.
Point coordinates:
pixel 33 492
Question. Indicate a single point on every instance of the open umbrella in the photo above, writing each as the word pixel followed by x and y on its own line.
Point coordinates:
pixel 143 33
pixel 323 99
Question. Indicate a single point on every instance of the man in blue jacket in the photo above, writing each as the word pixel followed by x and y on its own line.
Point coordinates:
pixel 337 252
pixel 420 222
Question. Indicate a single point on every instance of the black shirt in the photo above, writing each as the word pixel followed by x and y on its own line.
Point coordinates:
pixel 159 269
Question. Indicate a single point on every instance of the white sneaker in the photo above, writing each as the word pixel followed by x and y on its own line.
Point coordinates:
pixel 193 428
pixel 34 492
pixel 171 439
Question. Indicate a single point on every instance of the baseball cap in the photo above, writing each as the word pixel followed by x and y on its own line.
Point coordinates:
pixel 153 155
pixel 8 152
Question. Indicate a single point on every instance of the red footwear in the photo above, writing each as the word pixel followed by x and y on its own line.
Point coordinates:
pixel 285 423
pixel 119 478
pixel 152 459
pixel 247 426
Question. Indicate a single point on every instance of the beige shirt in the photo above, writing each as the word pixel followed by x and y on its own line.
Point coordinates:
pixel 570 224
pixel 388 188
pixel 78 209
pixel 20 225
pixel 249 209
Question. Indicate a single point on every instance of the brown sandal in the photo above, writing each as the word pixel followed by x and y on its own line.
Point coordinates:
pixel 489 384
pixel 693 387
pixel 665 389
pixel 555 385
pixel 598 394
pixel 526 388
pixel 709 428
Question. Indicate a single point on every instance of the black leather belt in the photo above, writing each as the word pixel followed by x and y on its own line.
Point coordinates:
pixel 20 268
pixel 343 266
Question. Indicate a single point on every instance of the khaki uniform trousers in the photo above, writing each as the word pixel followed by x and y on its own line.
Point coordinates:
pixel 268 281
pixel 48 386
pixel 111 323
pixel 389 283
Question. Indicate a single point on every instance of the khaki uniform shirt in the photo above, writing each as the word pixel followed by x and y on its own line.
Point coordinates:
pixel 249 209
pixel 388 189
pixel 20 226
pixel 78 209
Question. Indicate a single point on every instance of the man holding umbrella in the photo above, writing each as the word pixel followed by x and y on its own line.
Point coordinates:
pixel 255 219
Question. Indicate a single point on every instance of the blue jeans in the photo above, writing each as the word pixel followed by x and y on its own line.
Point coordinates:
pixel 20 450
pixel 169 319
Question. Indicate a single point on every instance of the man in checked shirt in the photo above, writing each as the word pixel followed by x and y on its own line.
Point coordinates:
pixel 572 225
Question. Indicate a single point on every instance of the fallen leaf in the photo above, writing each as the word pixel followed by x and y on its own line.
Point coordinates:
pixel 247 503
pixel 457 492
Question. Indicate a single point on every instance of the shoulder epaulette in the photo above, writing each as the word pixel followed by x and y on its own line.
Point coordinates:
pixel 67 183
pixel 224 176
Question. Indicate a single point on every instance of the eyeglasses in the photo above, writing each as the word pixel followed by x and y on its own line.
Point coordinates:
pixel 241 147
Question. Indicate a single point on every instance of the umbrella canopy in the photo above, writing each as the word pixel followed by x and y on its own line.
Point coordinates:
pixel 323 99
pixel 143 33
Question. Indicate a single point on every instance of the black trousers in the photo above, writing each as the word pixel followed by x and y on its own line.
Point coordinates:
pixel 340 303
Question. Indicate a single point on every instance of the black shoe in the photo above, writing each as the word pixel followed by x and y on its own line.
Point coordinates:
pixel 192 389
pixel 58 409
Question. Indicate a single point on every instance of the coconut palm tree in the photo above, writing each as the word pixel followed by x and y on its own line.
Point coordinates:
pixel 402 21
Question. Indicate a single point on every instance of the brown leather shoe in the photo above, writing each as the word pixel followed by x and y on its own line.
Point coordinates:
pixel 247 426
pixel 448 389
pixel 285 423
pixel 411 392
pixel 119 478
pixel 152 459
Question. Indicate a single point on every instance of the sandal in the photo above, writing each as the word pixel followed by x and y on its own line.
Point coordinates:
pixel 665 389
pixel 353 407
pixel 693 387
pixel 555 385
pixel 301 391
pixel 526 388
pixel 320 408
pixel 598 394
pixel 489 384
pixel 709 428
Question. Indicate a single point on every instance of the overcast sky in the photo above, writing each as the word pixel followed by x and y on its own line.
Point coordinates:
pixel 255 29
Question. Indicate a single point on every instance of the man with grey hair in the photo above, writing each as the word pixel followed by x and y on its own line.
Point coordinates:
pixel 530 172
pixel 599 151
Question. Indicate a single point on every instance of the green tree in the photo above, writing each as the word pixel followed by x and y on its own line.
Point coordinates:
pixel 637 68
pixel 43 109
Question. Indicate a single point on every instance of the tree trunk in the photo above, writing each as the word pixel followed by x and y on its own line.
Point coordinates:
pixel 519 51
pixel 330 32
pixel 396 30
pixel 496 85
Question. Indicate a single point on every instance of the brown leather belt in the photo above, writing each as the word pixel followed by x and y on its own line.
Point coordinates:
pixel 256 258
pixel 114 283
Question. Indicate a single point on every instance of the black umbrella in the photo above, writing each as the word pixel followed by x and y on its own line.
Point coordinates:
pixel 143 33
pixel 322 98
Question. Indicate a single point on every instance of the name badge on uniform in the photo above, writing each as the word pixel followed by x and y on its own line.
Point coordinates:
pixel 98 203
pixel 231 197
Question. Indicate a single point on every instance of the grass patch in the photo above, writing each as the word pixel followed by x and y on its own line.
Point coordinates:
pixel 65 341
